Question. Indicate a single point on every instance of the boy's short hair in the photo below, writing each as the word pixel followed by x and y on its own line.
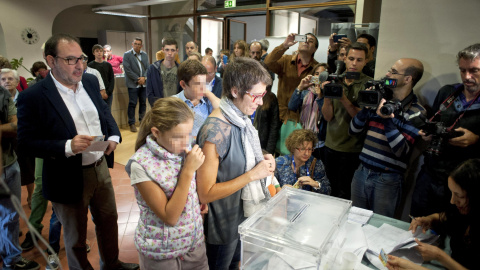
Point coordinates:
pixel 189 69
pixel 97 47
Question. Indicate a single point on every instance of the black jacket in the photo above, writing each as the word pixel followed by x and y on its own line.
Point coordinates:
pixel 268 125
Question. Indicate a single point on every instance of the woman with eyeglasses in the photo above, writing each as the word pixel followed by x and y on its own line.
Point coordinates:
pixel 299 168
pixel 233 177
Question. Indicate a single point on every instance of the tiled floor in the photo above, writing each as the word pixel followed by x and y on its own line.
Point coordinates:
pixel 128 214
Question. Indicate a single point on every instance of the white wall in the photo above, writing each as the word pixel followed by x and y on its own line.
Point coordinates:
pixel 256 27
pixel 16 15
pixel 432 31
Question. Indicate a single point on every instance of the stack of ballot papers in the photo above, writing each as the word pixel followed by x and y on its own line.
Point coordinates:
pixel 394 241
pixel 359 215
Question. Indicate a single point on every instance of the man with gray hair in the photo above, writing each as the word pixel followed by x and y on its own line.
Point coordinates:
pixel 114 60
pixel 9 79
pixel 457 108
pixel 265 44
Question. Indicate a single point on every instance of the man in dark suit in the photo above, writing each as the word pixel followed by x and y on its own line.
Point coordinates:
pixel 58 119
pixel 135 64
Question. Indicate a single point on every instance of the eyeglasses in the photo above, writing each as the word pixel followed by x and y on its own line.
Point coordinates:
pixel 394 72
pixel 304 150
pixel 73 60
pixel 256 96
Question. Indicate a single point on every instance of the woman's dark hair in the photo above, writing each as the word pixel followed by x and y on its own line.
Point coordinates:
pixel 467 176
pixel 37 66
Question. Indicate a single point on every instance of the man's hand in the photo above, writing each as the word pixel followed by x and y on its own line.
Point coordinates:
pixel 141 80
pixel 380 105
pixel 289 41
pixel 468 138
pixel 424 135
pixel 104 94
pixel 333 46
pixel 305 83
pixel 80 142
pixel 111 147
pixel 345 41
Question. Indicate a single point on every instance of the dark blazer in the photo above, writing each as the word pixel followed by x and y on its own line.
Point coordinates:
pixel 217 87
pixel 131 68
pixel 45 125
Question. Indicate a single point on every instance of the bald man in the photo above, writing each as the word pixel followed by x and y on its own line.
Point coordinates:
pixel 377 183
pixel 214 82
pixel 190 47
pixel 255 50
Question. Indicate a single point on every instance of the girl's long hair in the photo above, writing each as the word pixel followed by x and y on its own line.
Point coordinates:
pixel 165 114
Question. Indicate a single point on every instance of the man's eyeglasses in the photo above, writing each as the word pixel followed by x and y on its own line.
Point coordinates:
pixel 256 96
pixel 394 72
pixel 73 60
pixel 303 150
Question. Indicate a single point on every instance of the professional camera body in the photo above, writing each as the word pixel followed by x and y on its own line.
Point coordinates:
pixel 440 136
pixel 380 89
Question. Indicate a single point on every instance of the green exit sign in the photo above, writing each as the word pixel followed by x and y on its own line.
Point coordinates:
pixel 230 3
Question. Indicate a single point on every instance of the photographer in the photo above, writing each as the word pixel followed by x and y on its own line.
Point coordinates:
pixel 456 107
pixel 377 183
pixel 342 150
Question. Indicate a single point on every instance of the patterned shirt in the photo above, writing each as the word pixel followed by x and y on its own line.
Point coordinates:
pixel 285 175
pixel 201 111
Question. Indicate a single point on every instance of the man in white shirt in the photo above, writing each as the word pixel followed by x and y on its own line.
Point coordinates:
pixel 59 118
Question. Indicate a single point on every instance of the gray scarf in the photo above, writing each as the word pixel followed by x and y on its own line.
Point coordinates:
pixel 249 138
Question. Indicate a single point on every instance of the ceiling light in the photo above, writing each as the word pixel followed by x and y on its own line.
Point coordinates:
pixel 100 11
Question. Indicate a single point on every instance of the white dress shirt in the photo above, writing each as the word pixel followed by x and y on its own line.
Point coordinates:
pixel 84 115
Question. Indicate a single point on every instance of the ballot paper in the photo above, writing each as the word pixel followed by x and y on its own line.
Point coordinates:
pixel 97 146
pixel 391 238
pixel 359 215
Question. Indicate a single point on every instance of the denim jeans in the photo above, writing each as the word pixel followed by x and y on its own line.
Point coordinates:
pixel 54 232
pixel 134 94
pixel 222 257
pixel 10 249
pixel 376 191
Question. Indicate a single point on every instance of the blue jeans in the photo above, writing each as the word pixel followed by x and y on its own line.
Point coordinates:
pixel 134 94
pixel 221 257
pixel 54 232
pixel 376 191
pixel 10 249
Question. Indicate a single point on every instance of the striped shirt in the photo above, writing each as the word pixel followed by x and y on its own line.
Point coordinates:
pixel 389 141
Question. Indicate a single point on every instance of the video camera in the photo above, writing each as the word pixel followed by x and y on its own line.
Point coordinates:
pixel 380 89
pixel 335 89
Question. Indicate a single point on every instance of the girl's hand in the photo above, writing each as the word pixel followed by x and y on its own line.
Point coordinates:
pixel 195 158
pixel 305 83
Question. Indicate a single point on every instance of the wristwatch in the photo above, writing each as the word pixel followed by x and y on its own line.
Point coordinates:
pixel 319 186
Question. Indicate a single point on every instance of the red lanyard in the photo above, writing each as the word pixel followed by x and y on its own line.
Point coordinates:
pixel 449 102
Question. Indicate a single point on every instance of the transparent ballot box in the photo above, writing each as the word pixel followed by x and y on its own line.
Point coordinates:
pixel 295 230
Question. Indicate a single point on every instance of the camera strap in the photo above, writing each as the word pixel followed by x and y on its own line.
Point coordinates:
pixel 449 101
